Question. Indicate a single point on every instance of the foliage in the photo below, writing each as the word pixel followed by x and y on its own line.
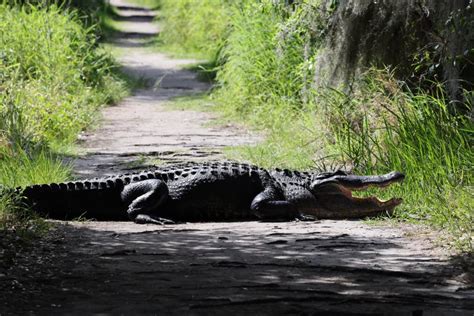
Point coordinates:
pixel 268 59
pixel 53 78
pixel 447 56
pixel 197 27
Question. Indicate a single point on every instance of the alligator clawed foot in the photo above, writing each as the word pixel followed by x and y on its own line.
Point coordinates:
pixel 305 218
pixel 147 219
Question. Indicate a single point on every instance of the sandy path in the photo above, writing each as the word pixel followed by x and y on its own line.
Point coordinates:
pixel 118 268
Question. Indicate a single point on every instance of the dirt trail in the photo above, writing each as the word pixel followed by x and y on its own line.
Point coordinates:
pixel 321 268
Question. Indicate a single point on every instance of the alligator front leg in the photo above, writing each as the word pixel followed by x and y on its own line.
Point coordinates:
pixel 269 205
pixel 144 199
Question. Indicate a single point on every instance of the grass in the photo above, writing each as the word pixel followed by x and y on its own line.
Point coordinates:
pixel 265 80
pixel 386 126
pixel 54 76
pixel 199 25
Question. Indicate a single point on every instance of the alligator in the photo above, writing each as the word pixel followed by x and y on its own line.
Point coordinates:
pixel 221 191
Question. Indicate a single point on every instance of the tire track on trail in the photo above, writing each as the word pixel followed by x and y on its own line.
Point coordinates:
pixel 140 128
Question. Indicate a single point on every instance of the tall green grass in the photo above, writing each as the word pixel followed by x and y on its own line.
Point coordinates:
pixel 386 126
pixel 53 74
pixel 196 27
pixel 53 78
pixel 268 59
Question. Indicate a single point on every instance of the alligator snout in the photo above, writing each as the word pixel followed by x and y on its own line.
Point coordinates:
pixel 335 200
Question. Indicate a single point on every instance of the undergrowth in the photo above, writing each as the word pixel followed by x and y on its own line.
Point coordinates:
pixel 53 78
pixel 196 27
pixel 265 79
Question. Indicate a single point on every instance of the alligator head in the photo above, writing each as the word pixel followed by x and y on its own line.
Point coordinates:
pixel 334 195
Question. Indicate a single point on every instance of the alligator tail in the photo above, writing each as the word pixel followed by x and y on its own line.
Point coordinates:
pixel 81 199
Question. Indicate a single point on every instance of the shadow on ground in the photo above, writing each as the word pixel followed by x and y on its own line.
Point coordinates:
pixel 251 267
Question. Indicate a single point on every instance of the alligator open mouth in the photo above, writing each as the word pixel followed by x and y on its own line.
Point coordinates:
pixel 335 198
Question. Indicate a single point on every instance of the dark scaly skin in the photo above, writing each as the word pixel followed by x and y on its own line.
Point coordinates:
pixel 224 191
